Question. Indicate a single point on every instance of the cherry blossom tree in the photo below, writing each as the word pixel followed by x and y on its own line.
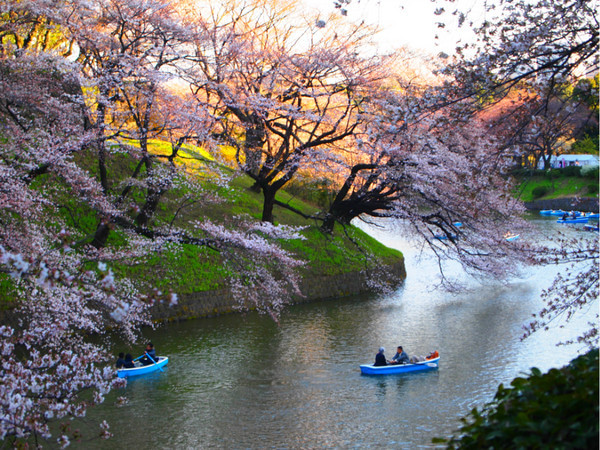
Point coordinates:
pixel 285 94
pixel 448 183
pixel 536 48
pixel 545 46
pixel 56 112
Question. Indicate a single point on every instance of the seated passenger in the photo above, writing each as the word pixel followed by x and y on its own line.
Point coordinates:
pixel 380 358
pixel 400 357
pixel 128 363
pixel 120 360
pixel 433 355
pixel 149 355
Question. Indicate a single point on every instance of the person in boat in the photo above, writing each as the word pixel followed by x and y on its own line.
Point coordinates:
pixel 149 355
pixel 433 355
pixel 380 358
pixel 400 357
pixel 120 360
pixel 128 363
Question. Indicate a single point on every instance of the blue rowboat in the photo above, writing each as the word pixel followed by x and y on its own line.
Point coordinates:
pixel 422 366
pixel 444 237
pixel 594 216
pixel 512 237
pixel 551 212
pixel 591 228
pixel 142 370
pixel 573 220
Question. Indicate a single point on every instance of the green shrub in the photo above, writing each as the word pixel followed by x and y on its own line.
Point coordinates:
pixel 527 172
pixel 540 191
pixel 558 409
pixel 553 174
pixel 572 171
pixel 592 188
pixel 590 172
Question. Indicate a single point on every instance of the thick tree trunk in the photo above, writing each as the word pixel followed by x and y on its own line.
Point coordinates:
pixel 269 202
pixel 328 224
pixel 101 235
pixel 338 211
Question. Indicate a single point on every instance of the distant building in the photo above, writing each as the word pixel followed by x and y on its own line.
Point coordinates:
pixel 560 161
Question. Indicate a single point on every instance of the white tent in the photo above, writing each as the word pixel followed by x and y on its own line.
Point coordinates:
pixel 559 161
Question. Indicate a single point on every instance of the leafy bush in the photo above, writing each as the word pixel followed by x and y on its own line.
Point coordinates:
pixel 553 174
pixel 540 191
pixel 586 145
pixel 558 409
pixel 572 171
pixel 590 172
pixel 527 172
pixel 592 188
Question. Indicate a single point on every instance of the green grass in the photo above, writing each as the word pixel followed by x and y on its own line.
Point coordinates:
pixel 187 268
pixel 557 187
pixel 192 269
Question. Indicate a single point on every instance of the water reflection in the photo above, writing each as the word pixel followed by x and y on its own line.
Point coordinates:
pixel 246 382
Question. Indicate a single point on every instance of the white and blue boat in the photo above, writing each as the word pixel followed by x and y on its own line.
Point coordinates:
pixel 573 220
pixel 421 366
pixel 552 212
pixel 140 369
pixel 593 216
pixel 445 237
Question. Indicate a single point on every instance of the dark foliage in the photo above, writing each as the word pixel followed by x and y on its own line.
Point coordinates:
pixel 540 191
pixel 558 409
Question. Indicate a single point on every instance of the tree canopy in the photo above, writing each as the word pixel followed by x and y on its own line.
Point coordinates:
pixel 86 86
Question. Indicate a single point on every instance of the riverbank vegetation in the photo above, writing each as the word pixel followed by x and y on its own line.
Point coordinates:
pixel 574 181
pixel 554 409
pixel 114 111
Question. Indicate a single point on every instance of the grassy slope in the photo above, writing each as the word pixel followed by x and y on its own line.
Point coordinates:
pixel 557 187
pixel 193 269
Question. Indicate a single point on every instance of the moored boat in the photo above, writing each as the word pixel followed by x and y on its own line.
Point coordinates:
pixel 591 228
pixel 573 220
pixel 421 366
pixel 552 212
pixel 444 237
pixel 139 369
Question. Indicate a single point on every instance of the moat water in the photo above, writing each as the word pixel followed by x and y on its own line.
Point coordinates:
pixel 243 381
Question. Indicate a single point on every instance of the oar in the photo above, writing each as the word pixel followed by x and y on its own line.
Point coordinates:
pixel 154 362
pixel 138 358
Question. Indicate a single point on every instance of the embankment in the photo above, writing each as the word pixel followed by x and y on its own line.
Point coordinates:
pixel 212 303
pixel 566 204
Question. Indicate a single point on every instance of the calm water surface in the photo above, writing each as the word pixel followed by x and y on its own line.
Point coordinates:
pixel 246 382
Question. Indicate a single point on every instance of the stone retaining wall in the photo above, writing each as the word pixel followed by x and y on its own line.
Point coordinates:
pixel 566 204
pixel 212 303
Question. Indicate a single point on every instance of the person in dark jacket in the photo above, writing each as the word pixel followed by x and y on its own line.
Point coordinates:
pixel 128 364
pixel 120 360
pixel 149 355
pixel 380 358
pixel 400 357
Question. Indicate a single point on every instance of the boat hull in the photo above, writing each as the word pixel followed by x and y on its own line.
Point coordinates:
pixel 142 370
pixel 578 220
pixel 552 212
pixel 423 366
